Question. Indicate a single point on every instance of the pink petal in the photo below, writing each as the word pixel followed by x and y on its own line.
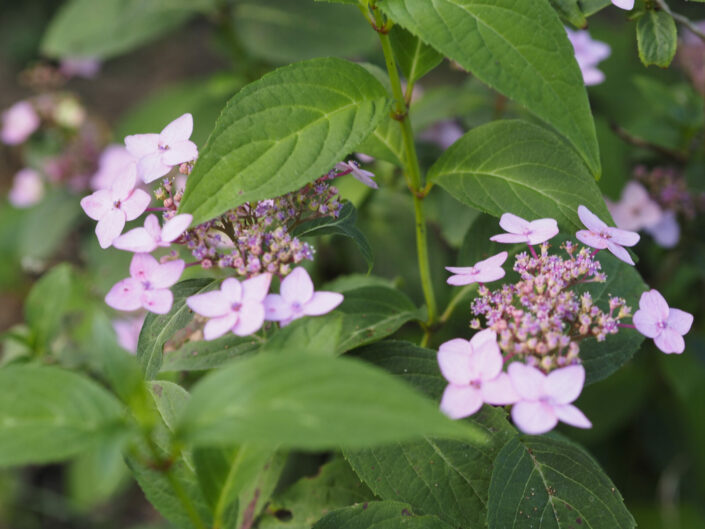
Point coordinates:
pixel 158 301
pixel 494 261
pixel 591 221
pixel 109 227
pixel 142 266
pixel 462 279
pixel 509 238
pixel 178 130
pixel 210 304
pixel 619 252
pixel 464 270
pixel 125 295
pixel 136 240
pixel 513 224
pixel 217 327
pixel 542 230
pixel 679 320
pixel 151 168
pixel 365 177
pixel 276 309
pixel 646 323
pixel 232 290
pixel 592 239
pixel 623 237
pixel 180 152
pixel 297 286
pixel 666 232
pixel 488 275
pixel 655 304
pixel 135 204
pixel 166 274
pixel 27 189
pixel 624 4
pixel 322 303
pixel 565 384
pixel 499 391
pixel 669 341
pixel 141 145
pixel 460 401
pixel 251 318
pixel 485 359
pixel 569 414
pixel 151 224
pixel 97 204
pixel 454 361
pixel 534 417
pixel 256 288
pixel 174 227
pixel 123 185
pixel 591 75
pixel 527 381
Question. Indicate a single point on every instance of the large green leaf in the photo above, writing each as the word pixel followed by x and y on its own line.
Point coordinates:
pixel 379 515
pixel 309 402
pixel 498 41
pixel 415 58
pixel 48 414
pixel 514 166
pixel 657 38
pixel 202 355
pixel 541 482
pixel 47 304
pixel 283 131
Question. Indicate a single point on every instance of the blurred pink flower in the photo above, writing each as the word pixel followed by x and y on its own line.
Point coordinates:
pixel 599 235
pixel 237 306
pixel 113 163
pixel 18 123
pixel 27 189
pixel 297 299
pixel 148 286
pixel 484 271
pixel 474 371
pixel 86 67
pixel 546 399
pixel 361 175
pixel 667 326
pixel 667 232
pixel 635 210
pixel 158 153
pixel 588 53
pixel 520 230
pixel 444 133
pixel 128 332
pixel 153 236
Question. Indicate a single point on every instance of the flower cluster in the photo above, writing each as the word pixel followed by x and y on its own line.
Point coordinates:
pixel 534 326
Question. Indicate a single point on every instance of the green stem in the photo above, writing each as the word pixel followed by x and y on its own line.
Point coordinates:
pixel 459 296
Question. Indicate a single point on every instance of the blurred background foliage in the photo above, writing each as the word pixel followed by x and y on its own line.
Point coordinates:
pixel 162 58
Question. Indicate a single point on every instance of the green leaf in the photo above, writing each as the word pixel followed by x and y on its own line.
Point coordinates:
pixel 449 479
pixel 590 7
pixel 379 515
pixel 657 37
pixel 415 58
pixel 543 482
pixel 170 399
pixel 48 414
pixel 283 131
pixel 570 10
pixel 343 225
pixel 203 355
pixel 513 166
pixel 309 402
pixel 47 304
pixel 498 41
pixel 159 328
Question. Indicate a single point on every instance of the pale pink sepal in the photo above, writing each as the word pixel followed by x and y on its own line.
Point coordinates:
pixel 665 325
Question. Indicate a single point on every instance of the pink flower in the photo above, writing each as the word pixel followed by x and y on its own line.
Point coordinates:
pixel 588 53
pixel 18 123
pixel 474 371
pixel 481 272
pixel 152 236
pixel 113 164
pixel 27 189
pixel 236 307
pixel 667 326
pixel 635 210
pixel 359 174
pixel 624 4
pixel 443 133
pixel 599 235
pixel 128 332
pixel 546 399
pixel 158 153
pixel 297 299
pixel 86 67
pixel 148 286
pixel 666 232
pixel 114 207
pixel 520 230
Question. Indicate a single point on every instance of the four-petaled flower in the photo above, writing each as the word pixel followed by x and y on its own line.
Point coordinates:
pixel 158 153
pixel 297 299
pixel 474 371
pixel 111 208
pixel 520 230
pixel 359 174
pixel 152 236
pixel 546 399
pixel 655 319
pixel 599 235
pixel 148 286
pixel 481 272
pixel 237 306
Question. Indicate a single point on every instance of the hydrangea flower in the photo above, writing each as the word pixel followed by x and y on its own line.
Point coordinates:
pixel 474 371
pixel 297 299
pixel 666 325
pixel 520 230
pixel 114 162
pixel 588 53
pixel 636 209
pixel 112 208
pixel 27 189
pixel 624 4
pixel 158 153
pixel 153 236
pixel 600 236
pixel 359 174
pixel 18 123
pixel 484 271
pixel 546 399
pixel 237 306
pixel 148 285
